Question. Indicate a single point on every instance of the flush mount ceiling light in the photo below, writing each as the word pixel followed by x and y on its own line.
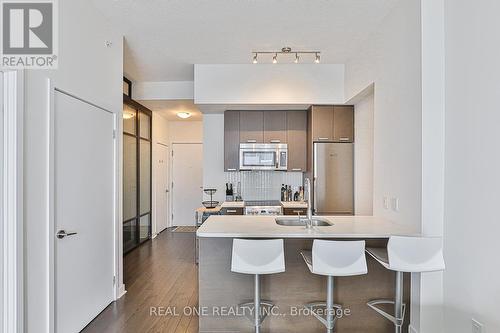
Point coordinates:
pixel 287 51
pixel 128 115
pixel 183 115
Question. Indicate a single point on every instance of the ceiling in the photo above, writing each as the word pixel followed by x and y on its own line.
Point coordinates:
pixel 164 38
pixel 168 109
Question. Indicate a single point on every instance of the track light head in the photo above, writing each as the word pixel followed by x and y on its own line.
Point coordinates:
pixel 317 60
pixel 275 58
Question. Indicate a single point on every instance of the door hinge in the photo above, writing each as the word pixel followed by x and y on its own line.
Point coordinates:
pixel 172 184
pixel 172 217
pixel 114 134
pixel 172 153
pixel 114 280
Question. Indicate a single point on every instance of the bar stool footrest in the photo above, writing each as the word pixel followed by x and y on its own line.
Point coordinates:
pixel 396 321
pixel 251 306
pixel 315 305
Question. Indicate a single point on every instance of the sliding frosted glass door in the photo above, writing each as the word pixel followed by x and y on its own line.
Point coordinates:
pixel 136 174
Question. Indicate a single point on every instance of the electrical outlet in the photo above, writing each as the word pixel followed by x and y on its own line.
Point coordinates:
pixel 386 202
pixel 477 327
pixel 395 204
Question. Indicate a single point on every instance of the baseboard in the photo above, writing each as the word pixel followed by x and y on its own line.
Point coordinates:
pixel 411 329
pixel 121 291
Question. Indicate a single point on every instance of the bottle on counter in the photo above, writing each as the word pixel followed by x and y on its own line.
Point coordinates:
pixel 283 192
pixel 290 193
pixel 229 192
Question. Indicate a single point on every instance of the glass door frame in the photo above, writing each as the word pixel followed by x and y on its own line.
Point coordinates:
pixel 140 109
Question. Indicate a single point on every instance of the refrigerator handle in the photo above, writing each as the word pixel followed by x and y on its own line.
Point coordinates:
pixel 315 156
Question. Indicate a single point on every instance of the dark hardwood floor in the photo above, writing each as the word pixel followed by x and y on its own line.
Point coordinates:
pixel 160 273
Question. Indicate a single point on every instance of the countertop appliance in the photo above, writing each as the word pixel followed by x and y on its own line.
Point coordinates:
pixel 267 207
pixel 263 156
pixel 333 185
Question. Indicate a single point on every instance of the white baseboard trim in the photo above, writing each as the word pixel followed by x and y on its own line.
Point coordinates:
pixel 121 291
pixel 411 329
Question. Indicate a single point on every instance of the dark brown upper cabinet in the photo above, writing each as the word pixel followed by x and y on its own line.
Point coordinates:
pixel 231 140
pixel 251 127
pixel 322 122
pixel 275 127
pixel 332 123
pixel 343 123
pixel 296 123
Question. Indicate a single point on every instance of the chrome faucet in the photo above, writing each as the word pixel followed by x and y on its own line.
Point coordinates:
pixel 309 203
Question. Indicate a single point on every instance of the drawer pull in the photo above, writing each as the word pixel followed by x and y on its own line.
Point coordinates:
pixel 345 139
pixel 298 211
pixel 323 139
pixel 296 169
pixel 231 169
pixel 251 141
pixel 231 211
pixel 275 141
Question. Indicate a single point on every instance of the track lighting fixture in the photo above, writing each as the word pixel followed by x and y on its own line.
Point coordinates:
pixel 285 51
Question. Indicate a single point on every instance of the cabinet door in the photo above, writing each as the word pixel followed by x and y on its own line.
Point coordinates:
pixel 294 211
pixel 251 127
pixel 231 140
pixel 297 140
pixel 322 123
pixel 232 211
pixel 275 127
pixel 343 123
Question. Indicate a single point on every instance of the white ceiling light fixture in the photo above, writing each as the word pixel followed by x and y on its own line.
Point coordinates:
pixel 285 51
pixel 183 115
pixel 128 115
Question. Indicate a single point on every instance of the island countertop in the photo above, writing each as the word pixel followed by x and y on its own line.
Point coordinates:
pixel 231 226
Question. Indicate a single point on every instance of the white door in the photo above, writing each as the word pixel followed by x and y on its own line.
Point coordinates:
pixel 162 188
pixel 83 204
pixel 187 178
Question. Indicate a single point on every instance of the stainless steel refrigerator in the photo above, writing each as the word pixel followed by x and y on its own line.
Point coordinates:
pixel 333 178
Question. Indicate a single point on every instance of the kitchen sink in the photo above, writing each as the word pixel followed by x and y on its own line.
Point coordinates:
pixel 294 222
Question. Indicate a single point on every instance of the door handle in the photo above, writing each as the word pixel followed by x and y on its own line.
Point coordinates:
pixel 62 233
pixel 167 191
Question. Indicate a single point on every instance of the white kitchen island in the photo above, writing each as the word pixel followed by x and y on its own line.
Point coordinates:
pixel 220 290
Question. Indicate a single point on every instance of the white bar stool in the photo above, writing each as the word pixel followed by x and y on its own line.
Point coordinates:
pixel 258 257
pixel 334 258
pixel 406 254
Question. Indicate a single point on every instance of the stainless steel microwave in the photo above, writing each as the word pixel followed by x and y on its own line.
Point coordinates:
pixel 263 156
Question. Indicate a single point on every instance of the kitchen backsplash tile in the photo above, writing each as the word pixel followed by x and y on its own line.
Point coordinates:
pixel 263 185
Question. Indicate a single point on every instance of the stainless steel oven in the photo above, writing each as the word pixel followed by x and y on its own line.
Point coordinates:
pixel 263 156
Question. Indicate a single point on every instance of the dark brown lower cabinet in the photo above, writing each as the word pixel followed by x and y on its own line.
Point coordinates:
pixel 232 211
pixel 294 211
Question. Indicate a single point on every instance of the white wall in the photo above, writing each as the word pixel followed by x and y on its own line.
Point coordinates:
pixel 269 84
pixel 391 60
pixel 213 154
pixel 92 71
pixel 363 156
pixel 163 90
pixel 472 178
pixel 185 131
